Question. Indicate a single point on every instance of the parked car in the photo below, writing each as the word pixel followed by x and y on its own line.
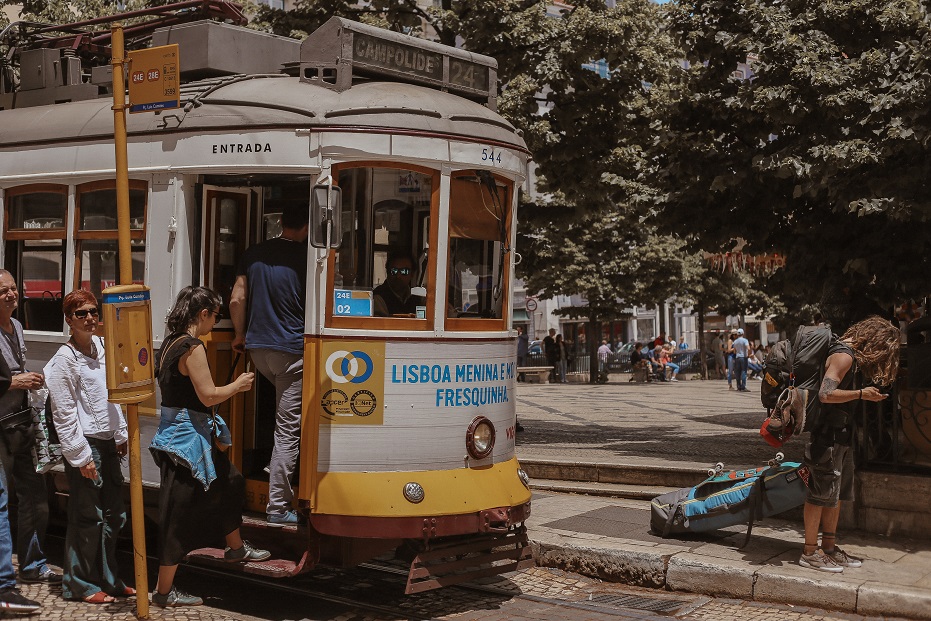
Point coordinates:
pixel 536 347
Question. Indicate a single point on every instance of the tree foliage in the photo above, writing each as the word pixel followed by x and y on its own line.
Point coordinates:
pixel 820 156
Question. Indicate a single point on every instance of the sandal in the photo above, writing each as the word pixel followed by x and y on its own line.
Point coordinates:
pixel 127 591
pixel 99 598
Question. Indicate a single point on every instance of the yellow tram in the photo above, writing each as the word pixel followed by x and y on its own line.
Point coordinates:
pixel 407 437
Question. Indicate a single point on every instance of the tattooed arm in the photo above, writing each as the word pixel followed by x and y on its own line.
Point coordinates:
pixel 838 365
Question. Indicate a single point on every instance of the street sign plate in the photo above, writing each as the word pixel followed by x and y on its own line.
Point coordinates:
pixel 153 79
pixel 531 304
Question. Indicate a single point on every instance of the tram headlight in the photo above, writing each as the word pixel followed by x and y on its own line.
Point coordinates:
pixel 480 439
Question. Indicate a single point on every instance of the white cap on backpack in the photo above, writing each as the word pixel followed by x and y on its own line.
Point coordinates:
pixel 740 330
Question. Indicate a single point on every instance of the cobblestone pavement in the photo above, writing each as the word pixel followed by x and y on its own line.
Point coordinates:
pixel 684 423
pixel 539 594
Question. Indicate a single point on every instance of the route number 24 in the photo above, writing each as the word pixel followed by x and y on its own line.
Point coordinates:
pixel 490 155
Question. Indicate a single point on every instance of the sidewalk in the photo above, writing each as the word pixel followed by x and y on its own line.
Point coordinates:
pixel 674 432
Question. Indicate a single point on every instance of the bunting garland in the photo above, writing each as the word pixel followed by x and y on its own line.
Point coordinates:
pixel 745 262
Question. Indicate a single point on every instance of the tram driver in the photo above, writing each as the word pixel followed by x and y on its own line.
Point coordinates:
pixel 393 297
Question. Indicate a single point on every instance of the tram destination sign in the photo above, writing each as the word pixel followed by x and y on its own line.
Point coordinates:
pixel 388 56
pixel 153 79
pixel 341 50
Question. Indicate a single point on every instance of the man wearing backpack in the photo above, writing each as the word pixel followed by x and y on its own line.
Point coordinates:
pixel 870 348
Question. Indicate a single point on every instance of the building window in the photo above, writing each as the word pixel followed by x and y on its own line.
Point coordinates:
pixel 35 252
pixel 97 261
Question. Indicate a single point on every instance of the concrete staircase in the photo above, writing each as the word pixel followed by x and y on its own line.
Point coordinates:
pixel 891 504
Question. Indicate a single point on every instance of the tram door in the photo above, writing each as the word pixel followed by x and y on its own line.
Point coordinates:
pixel 230 224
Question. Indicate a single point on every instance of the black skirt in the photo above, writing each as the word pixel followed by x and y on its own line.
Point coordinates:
pixel 192 518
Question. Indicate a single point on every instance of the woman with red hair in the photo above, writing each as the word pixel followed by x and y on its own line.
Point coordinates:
pixel 93 438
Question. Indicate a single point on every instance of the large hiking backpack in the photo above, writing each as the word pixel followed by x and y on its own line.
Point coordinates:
pixel 792 375
pixel 729 498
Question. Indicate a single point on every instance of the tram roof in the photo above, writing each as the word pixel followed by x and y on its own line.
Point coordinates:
pixel 239 103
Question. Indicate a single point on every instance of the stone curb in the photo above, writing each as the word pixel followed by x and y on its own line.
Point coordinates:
pixel 718 577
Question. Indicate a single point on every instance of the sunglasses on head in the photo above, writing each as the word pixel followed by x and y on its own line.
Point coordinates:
pixel 81 314
pixel 404 271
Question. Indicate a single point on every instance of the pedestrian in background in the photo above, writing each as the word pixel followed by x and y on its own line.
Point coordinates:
pixel 552 353
pixel 729 352
pixel 717 348
pixel 523 344
pixel 562 358
pixel 17 444
pixel 202 494
pixel 870 348
pixel 741 357
pixel 682 343
pixel 604 352
pixel 92 432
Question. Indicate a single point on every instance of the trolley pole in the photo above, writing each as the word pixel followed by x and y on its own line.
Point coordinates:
pixel 126 278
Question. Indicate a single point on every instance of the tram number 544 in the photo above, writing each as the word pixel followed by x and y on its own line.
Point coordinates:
pixel 492 156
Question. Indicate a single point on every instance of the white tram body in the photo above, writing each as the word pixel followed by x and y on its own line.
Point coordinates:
pixel 390 403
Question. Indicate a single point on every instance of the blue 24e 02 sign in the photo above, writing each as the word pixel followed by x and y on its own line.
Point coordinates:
pixel 348 303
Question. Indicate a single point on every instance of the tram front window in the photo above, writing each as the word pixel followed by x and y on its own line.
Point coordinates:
pixel 478 230
pixel 383 258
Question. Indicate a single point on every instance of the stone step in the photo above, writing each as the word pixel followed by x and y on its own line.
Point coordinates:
pixel 611 490
pixel 642 475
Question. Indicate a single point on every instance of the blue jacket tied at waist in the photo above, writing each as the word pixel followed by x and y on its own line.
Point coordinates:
pixel 186 437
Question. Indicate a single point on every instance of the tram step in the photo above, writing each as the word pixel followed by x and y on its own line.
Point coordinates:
pixel 272 568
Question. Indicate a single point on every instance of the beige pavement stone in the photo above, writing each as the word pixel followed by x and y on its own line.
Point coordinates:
pixel 790 584
pixel 888 599
pixel 720 577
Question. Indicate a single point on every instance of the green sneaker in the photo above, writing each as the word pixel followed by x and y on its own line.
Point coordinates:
pixel 175 598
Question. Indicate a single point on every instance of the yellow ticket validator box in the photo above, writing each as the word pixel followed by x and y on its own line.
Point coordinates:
pixel 127 327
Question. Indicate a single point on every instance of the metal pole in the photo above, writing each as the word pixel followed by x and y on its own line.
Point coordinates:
pixel 126 278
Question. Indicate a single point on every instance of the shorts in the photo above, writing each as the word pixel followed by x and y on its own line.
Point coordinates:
pixel 831 477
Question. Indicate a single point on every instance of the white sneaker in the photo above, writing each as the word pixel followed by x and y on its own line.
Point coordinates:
pixel 673 380
pixel 820 561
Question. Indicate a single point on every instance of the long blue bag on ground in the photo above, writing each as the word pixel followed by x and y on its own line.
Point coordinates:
pixel 729 498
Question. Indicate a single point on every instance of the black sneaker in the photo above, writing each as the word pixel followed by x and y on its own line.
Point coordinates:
pixel 175 598
pixel 13 601
pixel 46 574
pixel 245 553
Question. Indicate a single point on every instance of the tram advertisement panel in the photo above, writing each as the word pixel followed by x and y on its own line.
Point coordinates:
pixel 352 385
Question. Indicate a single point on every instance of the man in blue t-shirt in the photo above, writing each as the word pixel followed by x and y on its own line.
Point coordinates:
pixel 267 309
pixel 741 357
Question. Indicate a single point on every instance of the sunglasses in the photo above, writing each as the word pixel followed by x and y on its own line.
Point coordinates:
pixel 404 271
pixel 82 314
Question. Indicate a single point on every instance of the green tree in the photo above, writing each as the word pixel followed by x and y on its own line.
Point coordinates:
pixel 613 262
pixel 821 156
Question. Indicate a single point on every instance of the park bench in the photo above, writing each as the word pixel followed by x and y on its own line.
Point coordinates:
pixel 535 375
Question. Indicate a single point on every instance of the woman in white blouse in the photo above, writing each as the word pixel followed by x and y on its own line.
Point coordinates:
pixel 93 438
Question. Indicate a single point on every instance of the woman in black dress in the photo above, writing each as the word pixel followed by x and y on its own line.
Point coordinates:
pixel 202 493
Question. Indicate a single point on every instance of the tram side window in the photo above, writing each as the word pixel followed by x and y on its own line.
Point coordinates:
pixel 97 265
pixel 478 233
pixel 386 216
pixel 35 252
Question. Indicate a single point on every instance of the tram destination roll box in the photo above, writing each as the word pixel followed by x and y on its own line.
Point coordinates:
pixel 127 325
